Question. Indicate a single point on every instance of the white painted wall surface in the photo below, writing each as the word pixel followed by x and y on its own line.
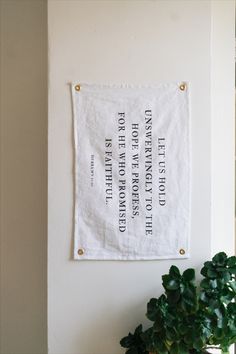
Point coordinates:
pixel 92 304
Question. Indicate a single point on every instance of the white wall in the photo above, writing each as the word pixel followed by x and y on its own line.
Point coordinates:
pixel 23 172
pixel 222 125
pixel 92 304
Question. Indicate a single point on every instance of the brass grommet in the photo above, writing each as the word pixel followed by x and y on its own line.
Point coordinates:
pixel 80 251
pixel 182 251
pixel 77 87
pixel 183 86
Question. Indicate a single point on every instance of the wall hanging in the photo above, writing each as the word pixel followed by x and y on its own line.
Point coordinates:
pixel 132 172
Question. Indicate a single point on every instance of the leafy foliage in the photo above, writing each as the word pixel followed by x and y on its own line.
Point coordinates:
pixel 134 342
pixel 189 320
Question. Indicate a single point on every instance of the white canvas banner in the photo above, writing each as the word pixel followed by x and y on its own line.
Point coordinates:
pixel 132 172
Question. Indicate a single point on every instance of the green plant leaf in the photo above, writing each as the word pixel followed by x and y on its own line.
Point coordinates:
pixel 152 309
pixel 183 348
pixel 231 262
pixel 126 341
pixel 134 342
pixel 179 348
pixel 162 349
pixel 174 349
pixel 189 274
pixel 203 297
pixel 220 259
pixel 213 283
pixel 232 308
pixel 233 285
pixel 211 273
pixel 138 329
pixel 232 270
pixel 218 333
pixel 198 343
pixel 171 334
pixel 170 283
pixel 205 284
pixel 174 272
pixel 218 313
pixel 189 338
pixel 204 271
pixel 173 297
pixel 183 329
pixel 226 276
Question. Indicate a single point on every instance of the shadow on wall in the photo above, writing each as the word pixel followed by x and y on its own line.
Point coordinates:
pixel 23 177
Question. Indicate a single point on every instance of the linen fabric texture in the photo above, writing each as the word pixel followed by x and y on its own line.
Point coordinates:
pixel 132 172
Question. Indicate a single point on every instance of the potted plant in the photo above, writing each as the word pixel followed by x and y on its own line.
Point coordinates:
pixel 190 319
